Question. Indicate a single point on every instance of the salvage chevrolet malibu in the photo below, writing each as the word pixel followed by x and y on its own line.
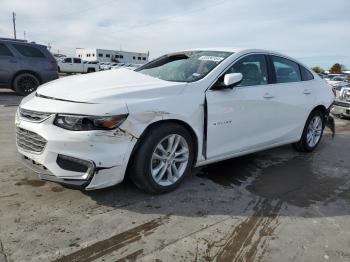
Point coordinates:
pixel 182 110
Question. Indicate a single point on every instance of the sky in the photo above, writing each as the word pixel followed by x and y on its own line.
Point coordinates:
pixel 317 32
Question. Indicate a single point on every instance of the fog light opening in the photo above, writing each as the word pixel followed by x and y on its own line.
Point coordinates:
pixel 75 164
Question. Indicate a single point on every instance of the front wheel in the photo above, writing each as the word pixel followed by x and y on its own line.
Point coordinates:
pixel 163 159
pixel 312 132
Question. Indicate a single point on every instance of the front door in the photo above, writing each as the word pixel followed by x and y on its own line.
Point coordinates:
pixel 241 119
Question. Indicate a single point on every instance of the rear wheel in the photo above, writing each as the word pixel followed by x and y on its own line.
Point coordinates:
pixel 163 159
pixel 90 70
pixel 25 83
pixel 312 132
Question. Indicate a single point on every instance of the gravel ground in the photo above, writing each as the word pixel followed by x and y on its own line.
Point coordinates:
pixel 276 205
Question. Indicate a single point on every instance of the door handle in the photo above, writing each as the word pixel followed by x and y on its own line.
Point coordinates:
pixel 307 92
pixel 268 96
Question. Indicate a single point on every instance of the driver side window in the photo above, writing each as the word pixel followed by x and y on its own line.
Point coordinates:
pixel 253 68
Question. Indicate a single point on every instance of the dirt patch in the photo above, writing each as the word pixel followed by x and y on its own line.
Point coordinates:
pixel 30 182
pixel 57 189
pixel 114 243
pixel 248 241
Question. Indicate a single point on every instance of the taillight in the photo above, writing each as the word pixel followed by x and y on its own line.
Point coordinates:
pixel 53 65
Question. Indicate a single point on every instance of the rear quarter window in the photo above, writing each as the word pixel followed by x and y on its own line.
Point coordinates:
pixel 29 51
pixel 306 75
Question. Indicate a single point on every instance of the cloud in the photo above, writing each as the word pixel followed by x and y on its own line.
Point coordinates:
pixel 314 31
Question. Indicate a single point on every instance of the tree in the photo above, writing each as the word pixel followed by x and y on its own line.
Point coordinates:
pixel 335 69
pixel 317 69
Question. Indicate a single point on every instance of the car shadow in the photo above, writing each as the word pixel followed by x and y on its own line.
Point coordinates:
pixel 9 98
pixel 299 184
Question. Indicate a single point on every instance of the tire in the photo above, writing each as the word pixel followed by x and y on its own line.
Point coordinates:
pixel 90 70
pixel 312 135
pixel 58 69
pixel 148 158
pixel 25 83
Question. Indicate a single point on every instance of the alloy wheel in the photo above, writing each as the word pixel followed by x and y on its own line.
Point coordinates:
pixel 169 160
pixel 314 131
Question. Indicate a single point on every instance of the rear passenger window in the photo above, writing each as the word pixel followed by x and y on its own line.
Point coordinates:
pixel 253 68
pixel 305 74
pixel 28 51
pixel 77 60
pixel 286 70
pixel 4 51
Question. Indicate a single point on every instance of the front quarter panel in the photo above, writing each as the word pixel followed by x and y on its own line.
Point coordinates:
pixel 187 107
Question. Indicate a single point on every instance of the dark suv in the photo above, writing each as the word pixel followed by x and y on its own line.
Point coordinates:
pixel 24 66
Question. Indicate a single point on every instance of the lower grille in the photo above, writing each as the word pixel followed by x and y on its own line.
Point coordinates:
pixel 30 141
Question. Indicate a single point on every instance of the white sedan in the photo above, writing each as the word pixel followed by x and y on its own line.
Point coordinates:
pixel 182 110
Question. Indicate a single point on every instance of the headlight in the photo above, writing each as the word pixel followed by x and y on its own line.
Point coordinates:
pixel 86 123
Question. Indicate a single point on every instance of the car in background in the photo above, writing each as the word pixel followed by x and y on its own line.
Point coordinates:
pixel 132 66
pixel 24 66
pixel 92 62
pixel 183 110
pixel 77 65
pixel 118 65
pixel 341 84
pixel 336 80
pixel 110 65
pixel 105 65
pixel 341 106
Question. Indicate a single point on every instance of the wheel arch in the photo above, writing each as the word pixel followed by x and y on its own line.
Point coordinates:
pixel 162 122
pixel 26 72
pixel 322 109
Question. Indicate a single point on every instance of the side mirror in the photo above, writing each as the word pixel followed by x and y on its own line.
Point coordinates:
pixel 231 79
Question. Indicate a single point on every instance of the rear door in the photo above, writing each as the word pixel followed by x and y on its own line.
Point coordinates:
pixel 292 98
pixel 8 65
pixel 78 66
pixel 242 118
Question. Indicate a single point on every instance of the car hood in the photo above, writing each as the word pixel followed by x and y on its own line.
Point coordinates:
pixel 108 86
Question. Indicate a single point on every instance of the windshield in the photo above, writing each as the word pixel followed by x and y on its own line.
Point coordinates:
pixel 184 67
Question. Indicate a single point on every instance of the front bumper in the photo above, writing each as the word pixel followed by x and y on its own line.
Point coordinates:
pixel 104 153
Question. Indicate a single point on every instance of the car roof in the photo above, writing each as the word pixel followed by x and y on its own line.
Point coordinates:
pixel 20 41
pixel 234 50
pixel 242 51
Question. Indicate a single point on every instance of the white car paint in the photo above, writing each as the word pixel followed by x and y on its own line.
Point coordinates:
pixel 239 120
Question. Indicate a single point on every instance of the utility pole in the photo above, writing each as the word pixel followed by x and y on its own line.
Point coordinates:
pixel 14 24
pixel 24 35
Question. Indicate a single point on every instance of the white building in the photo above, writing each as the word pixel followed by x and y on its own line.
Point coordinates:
pixel 103 55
